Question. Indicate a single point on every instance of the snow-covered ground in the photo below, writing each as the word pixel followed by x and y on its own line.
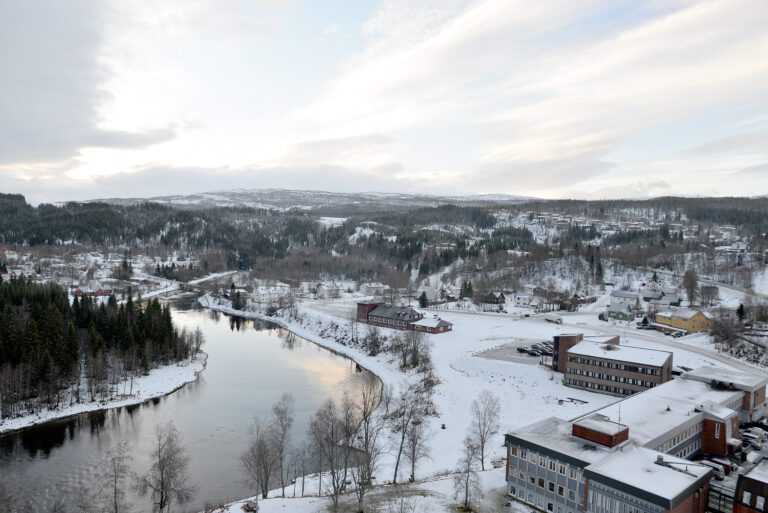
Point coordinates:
pixel 528 391
pixel 159 382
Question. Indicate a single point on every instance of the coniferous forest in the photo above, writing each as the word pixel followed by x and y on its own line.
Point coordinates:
pixel 56 353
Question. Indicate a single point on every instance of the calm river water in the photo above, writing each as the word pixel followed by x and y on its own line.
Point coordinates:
pixel 250 365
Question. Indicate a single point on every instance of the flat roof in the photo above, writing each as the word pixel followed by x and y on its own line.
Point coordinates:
pixel 759 472
pixel 601 424
pixel 637 468
pixel 553 436
pixel 655 412
pixel 739 379
pixel 618 352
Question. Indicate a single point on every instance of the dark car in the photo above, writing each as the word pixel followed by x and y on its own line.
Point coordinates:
pixel 534 352
pixel 522 349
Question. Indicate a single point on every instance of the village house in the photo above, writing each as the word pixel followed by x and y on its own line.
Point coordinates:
pixel 374 289
pixel 328 290
pixel 400 318
pixel 619 312
pixel 684 319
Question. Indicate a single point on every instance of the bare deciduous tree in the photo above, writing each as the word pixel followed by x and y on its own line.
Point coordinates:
pixel 327 429
pixel 466 482
pixel 416 446
pixel 167 479
pixel 485 421
pixel 373 408
pixel 117 471
pixel 406 410
pixel 258 460
pixel 282 420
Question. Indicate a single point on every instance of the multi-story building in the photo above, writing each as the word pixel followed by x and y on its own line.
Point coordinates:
pixel 616 369
pixel 631 456
pixel 589 466
pixel 563 343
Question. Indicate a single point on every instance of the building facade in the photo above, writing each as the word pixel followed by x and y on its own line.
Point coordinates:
pixel 616 369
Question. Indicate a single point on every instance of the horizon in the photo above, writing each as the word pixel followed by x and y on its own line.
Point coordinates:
pixel 596 100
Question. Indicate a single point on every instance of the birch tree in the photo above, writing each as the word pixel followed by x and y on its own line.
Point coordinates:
pixel 485 422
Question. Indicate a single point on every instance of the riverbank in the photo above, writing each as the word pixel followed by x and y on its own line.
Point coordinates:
pixel 159 382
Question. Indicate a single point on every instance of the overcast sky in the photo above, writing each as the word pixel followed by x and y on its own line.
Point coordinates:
pixel 550 98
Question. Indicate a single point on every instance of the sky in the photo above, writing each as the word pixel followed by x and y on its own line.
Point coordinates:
pixel 555 98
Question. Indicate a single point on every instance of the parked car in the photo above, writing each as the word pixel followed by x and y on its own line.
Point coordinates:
pixel 677 334
pixel 723 462
pixel 716 468
pixel 752 442
pixel 534 352
pixel 535 346
pixel 522 349
pixel 545 352
pixel 759 432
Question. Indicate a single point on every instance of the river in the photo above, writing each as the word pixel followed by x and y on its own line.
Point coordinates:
pixel 250 364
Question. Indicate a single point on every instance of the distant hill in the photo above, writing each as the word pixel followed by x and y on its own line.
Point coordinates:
pixel 321 201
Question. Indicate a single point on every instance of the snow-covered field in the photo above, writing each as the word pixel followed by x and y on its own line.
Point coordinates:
pixel 160 381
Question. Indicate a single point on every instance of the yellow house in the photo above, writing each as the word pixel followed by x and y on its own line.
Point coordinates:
pixel 686 319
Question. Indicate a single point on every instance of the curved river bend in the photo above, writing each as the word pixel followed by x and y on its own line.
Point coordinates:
pixel 250 365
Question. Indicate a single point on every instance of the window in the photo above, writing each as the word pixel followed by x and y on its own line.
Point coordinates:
pixel 562 469
pixel 542 461
pixel 532 480
pixel 522 475
pixel 759 502
pixel 541 482
pixel 551 486
pixel 523 453
pixel 717 434
pixel 746 498
pixel 521 494
pixel 560 491
pixel 552 465
pixel 571 495
pixel 513 451
pixel 550 506
pixel 572 473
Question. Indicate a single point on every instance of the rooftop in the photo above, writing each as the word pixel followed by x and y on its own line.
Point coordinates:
pixel 759 472
pixel 653 413
pixel 740 379
pixel 601 424
pixel 637 468
pixel 628 354
pixel 555 434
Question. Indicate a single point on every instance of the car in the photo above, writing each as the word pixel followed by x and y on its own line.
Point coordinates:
pixel 535 346
pixel 751 442
pixel 534 352
pixel 716 468
pixel 522 349
pixel 758 432
pixel 677 335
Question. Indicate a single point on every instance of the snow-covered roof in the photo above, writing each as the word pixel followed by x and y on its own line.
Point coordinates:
pixel 601 424
pixel 716 410
pixel 654 413
pixel 739 379
pixel 555 434
pixel 431 322
pixel 638 468
pixel 683 313
pixel 628 354
pixel 618 307
pixel 759 472
pixel 624 294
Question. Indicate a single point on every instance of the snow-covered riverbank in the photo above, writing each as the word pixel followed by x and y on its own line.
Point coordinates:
pixel 159 382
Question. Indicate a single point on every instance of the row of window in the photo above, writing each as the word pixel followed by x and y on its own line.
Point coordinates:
pixel 612 377
pixel 531 499
pixel 613 365
pixel 598 386
pixel 680 438
pixel 544 462
pixel 547 485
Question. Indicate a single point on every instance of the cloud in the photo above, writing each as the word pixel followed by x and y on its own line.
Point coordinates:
pixel 745 141
pixel 51 78
pixel 759 170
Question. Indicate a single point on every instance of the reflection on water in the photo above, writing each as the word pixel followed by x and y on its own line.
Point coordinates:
pixel 250 365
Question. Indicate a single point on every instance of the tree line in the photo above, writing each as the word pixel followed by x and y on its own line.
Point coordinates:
pixel 54 352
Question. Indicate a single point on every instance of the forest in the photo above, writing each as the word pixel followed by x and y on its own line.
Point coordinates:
pixel 53 352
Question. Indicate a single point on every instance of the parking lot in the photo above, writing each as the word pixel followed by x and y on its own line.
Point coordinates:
pixel 511 352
